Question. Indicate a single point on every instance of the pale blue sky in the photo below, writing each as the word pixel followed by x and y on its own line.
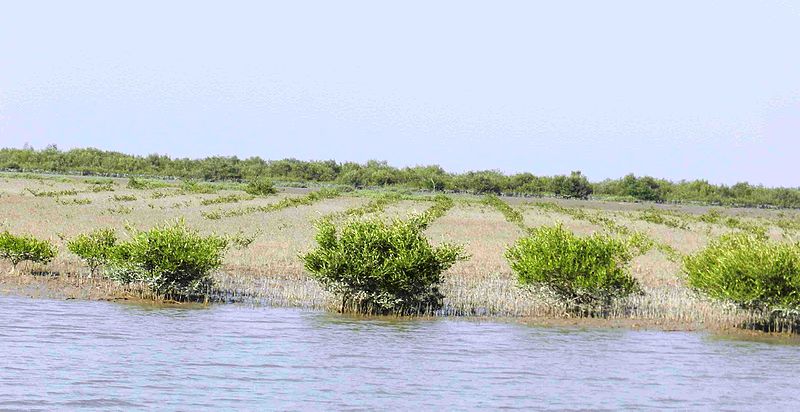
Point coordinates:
pixel 675 89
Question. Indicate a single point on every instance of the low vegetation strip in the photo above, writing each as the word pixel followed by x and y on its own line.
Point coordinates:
pixel 306 200
pixel 638 240
pixel 375 205
pixel 441 204
pixel 512 215
pixel 232 198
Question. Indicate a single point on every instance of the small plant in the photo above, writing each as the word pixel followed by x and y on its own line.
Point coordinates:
pixel 586 273
pixel 95 248
pixel 260 187
pixel 17 249
pixel 173 261
pixel 123 198
pixel 749 270
pixel 381 268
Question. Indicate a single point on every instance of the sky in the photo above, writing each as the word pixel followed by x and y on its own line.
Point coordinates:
pixel 673 89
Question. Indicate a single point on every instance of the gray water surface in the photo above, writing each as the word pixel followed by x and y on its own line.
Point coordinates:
pixel 77 354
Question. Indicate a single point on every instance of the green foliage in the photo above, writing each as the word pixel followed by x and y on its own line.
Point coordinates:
pixel 512 215
pixel 377 173
pixel 260 187
pixel 172 260
pixel 17 249
pixel 109 187
pixel 41 193
pixel 378 267
pixel 145 184
pixel 95 248
pixel 73 201
pixel 232 198
pixel 306 200
pixel 123 198
pixel 587 273
pixel 749 270
pixel 191 186
pixel 441 204
pixel 661 218
pixel 712 216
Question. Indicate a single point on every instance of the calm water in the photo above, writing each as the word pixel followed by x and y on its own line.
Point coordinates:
pixel 65 355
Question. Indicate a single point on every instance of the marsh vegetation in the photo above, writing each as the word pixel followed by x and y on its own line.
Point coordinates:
pixel 554 259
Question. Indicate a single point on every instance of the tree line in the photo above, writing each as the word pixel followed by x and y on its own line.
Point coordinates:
pixel 91 161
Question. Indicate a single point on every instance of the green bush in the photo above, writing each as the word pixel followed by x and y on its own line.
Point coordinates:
pixel 587 273
pixel 380 268
pixel 749 270
pixel 17 249
pixel 173 260
pixel 95 248
pixel 260 187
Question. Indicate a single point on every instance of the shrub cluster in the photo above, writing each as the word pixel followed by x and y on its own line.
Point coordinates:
pixel 587 273
pixel 17 249
pixel 749 270
pixel 171 260
pixel 260 187
pixel 381 268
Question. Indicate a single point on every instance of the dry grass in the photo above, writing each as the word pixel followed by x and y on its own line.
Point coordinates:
pixel 270 272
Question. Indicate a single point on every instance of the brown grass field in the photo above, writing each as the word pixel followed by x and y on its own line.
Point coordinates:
pixel 269 271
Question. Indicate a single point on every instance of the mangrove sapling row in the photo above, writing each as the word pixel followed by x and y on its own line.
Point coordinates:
pixel 381 268
pixel 376 205
pixel 73 201
pixel 123 198
pixel 640 241
pixel 306 200
pixel 751 271
pixel 587 273
pixel 17 249
pixel 42 193
pixel 661 218
pixel 441 204
pixel 145 184
pixel 231 198
pixel 512 215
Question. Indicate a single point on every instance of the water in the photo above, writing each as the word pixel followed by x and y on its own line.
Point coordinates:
pixel 74 355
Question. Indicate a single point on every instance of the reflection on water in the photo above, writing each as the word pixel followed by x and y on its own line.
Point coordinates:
pixel 100 355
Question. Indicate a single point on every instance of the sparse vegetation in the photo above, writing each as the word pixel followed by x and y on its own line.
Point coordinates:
pixel 123 198
pixel 306 200
pixel 232 198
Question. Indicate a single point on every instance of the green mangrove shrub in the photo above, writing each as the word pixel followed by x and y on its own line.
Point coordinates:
pixel 381 268
pixel 586 273
pixel 17 249
pixel 260 187
pixel 172 260
pixel 748 270
pixel 95 248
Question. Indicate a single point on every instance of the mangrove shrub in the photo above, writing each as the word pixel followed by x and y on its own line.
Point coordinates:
pixel 587 273
pixel 95 248
pixel 260 187
pixel 172 260
pixel 377 267
pixel 17 249
pixel 749 270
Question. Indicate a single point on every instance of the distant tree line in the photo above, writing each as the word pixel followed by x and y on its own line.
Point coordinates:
pixel 90 161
